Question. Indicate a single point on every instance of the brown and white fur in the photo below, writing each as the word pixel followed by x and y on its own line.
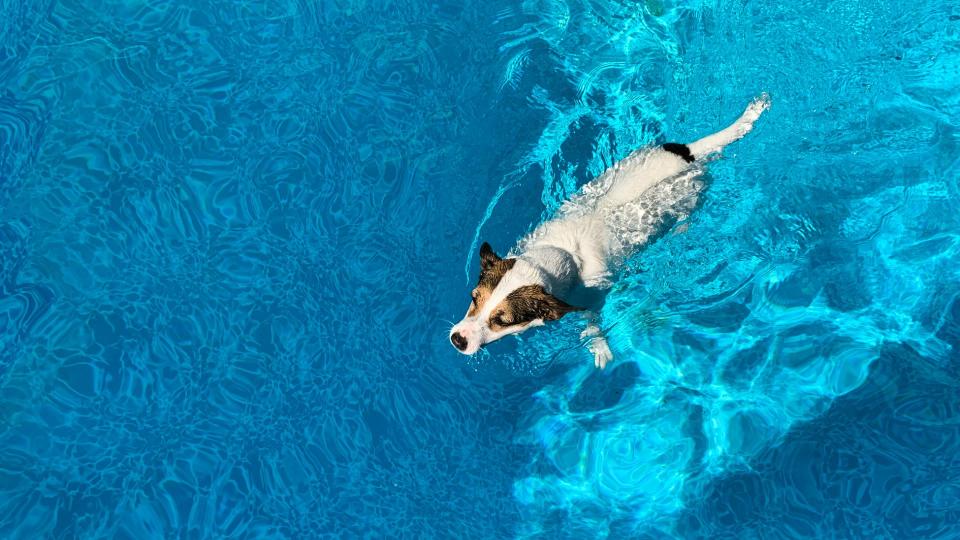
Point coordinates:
pixel 574 254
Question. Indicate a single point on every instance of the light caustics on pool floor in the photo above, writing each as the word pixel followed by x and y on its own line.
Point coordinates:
pixel 232 235
pixel 821 241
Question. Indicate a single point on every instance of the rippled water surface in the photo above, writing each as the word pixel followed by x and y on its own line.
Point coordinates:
pixel 233 237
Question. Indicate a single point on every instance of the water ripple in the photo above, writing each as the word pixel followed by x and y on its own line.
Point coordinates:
pixel 231 235
pixel 804 263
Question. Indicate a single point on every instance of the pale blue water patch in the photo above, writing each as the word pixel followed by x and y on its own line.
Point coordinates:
pixel 233 238
pixel 822 243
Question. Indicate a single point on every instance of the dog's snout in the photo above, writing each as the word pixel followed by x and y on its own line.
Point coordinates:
pixel 458 341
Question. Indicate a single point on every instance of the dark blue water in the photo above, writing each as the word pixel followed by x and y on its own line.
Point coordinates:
pixel 233 237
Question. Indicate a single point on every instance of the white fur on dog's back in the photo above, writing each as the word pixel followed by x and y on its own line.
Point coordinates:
pixel 619 211
pixel 629 178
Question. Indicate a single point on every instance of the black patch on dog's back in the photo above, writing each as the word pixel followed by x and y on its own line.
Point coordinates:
pixel 681 150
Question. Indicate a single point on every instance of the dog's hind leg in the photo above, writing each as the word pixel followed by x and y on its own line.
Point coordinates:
pixel 715 143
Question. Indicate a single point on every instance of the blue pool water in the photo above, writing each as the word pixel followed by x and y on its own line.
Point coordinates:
pixel 234 235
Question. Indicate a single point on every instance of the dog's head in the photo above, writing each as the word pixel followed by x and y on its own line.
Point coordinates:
pixel 509 298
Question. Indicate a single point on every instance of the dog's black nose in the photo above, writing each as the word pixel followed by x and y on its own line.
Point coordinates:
pixel 458 341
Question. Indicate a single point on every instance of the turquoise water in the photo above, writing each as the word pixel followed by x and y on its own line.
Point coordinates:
pixel 233 237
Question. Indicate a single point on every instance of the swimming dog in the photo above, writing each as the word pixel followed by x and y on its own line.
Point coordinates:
pixel 565 264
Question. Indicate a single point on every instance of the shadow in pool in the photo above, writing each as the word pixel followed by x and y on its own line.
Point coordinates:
pixel 604 390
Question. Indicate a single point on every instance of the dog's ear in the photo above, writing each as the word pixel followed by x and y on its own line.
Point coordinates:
pixel 534 302
pixel 552 308
pixel 487 256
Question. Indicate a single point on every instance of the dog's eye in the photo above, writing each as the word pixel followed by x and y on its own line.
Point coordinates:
pixel 500 320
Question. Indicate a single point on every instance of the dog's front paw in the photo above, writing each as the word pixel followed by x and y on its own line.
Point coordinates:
pixel 601 352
